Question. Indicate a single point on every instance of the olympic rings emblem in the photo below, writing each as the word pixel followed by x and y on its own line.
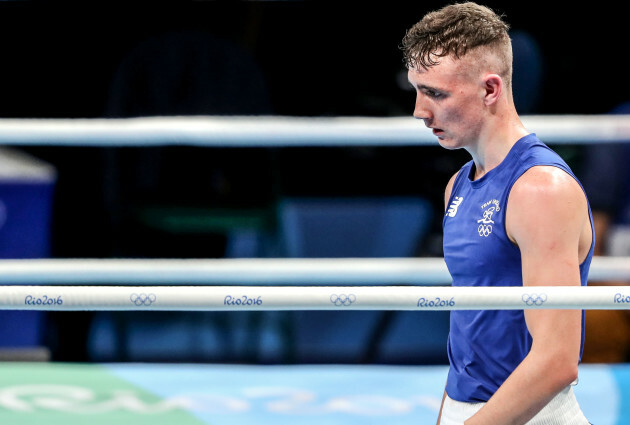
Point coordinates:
pixel 484 230
pixel 534 299
pixel 342 299
pixel 142 299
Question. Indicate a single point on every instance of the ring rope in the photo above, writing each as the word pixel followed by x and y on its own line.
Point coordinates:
pixel 279 131
pixel 238 298
pixel 257 271
pixel 267 271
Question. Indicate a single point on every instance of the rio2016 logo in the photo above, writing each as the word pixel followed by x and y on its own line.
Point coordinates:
pixel 243 300
pixel 436 302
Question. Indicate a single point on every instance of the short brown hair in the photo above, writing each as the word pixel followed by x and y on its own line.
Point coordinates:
pixel 456 30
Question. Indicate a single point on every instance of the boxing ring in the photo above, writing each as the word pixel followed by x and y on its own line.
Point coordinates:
pixel 139 393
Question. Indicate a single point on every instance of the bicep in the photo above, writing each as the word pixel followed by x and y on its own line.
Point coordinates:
pixel 545 218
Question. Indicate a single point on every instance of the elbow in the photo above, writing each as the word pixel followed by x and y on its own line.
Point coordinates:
pixel 568 376
pixel 559 366
pixel 564 371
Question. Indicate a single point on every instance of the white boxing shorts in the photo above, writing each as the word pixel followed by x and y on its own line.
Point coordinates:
pixel 563 409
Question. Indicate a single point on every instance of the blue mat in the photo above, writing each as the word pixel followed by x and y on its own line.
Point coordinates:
pixel 70 394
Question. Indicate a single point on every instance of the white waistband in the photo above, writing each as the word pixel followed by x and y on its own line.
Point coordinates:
pixel 563 409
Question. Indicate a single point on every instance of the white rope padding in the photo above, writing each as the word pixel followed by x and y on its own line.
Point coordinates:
pixel 238 298
pixel 268 271
pixel 257 271
pixel 279 131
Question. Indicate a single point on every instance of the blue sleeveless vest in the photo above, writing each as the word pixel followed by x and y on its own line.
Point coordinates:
pixel 484 347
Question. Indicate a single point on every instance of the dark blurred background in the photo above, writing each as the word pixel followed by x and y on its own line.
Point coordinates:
pixel 317 57
pixel 294 58
pixel 297 58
